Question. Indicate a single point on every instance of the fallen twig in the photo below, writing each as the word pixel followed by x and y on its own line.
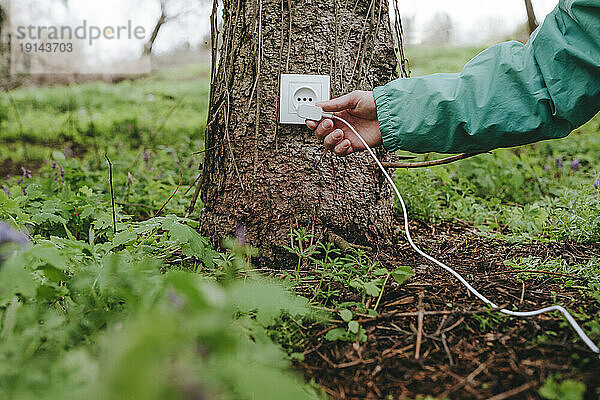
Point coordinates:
pixel 381 292
pixel 420 318
pixel 173 195
pixel 431 163
pixel 167 116
pixel 466 380
pixel 76 224
pixel 537 271
pixel 513 392
pixel 193 184
pixel 112 194
pixel 447 349
pixel 343 365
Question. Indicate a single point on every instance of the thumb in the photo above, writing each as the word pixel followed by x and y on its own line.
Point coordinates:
pixel 347 101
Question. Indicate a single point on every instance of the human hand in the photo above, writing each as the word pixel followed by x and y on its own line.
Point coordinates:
pixel 359 109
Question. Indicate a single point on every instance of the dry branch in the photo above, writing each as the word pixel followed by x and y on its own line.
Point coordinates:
pixel 431 163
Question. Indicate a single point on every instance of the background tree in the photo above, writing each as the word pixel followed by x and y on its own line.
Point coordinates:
pixel 531 19
pixel 260 179
pixel 5 54
pixel 169 10
pixel 408 29
pixel 440 30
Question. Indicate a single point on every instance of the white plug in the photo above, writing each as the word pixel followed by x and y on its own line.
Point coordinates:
pixel 308 111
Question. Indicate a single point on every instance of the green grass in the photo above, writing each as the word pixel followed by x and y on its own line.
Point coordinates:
pixel 425 60
pixel 168 108
pixel 529 193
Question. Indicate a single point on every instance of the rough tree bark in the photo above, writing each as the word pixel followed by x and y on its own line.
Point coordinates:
pixel 260 179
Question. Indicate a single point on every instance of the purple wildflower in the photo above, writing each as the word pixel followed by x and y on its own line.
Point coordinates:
pixel 559 162
pixel 575 164
pixel 8 234
pixel 26 173
pixel 5 189
pixel 240 233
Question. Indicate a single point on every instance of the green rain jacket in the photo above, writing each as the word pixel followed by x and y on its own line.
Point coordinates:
pixel 509 95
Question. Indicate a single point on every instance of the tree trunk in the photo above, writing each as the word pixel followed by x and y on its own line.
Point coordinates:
pixel 531 20
pixel 260 179
pixel 3 42
pixel 5 51
pixel 154 35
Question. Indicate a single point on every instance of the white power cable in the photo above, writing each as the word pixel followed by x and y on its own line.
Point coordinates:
pixel 316 113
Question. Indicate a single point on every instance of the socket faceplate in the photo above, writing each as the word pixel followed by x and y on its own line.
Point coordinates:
pixel 299 89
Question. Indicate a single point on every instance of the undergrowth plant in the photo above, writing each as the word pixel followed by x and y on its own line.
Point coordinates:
pixel 547 191
pixel 145 308
pixel 328 271
pixel 584 277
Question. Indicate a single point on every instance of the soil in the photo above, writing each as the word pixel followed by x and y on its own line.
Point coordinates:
pixel 465 351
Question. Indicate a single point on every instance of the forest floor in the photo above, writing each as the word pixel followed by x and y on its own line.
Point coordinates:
pixel 465 351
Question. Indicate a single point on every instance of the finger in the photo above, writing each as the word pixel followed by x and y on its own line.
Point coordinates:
pixel 347 101
pixel 311 124
pixel 333 139
pixel 324 128
pixel 349 151
pixel 342 147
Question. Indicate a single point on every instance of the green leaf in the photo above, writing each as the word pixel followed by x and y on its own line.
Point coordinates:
pixel 124 237
pixel 15 278
pixel 565 390
pixel 188 286
pixel 53 274
pixel 402 274
pixel 58 155
pixel 371 288
pixel 380 272
pixel 47 252
pixel 336 334
pixel 356 284
pixel 42 217
pixel 353 326
pixel 192 244
pixel 10 318
pixel 179 232
pixel 267 298
pixel 346 315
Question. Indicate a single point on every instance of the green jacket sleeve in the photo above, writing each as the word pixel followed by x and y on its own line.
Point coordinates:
pixel 509 95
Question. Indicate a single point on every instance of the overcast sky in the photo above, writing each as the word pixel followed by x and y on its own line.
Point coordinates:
pixel 473 20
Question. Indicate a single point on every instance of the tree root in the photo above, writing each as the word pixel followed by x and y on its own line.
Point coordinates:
pixel 344 245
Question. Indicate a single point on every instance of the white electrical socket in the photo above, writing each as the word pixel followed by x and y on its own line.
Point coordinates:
pixel 300 89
